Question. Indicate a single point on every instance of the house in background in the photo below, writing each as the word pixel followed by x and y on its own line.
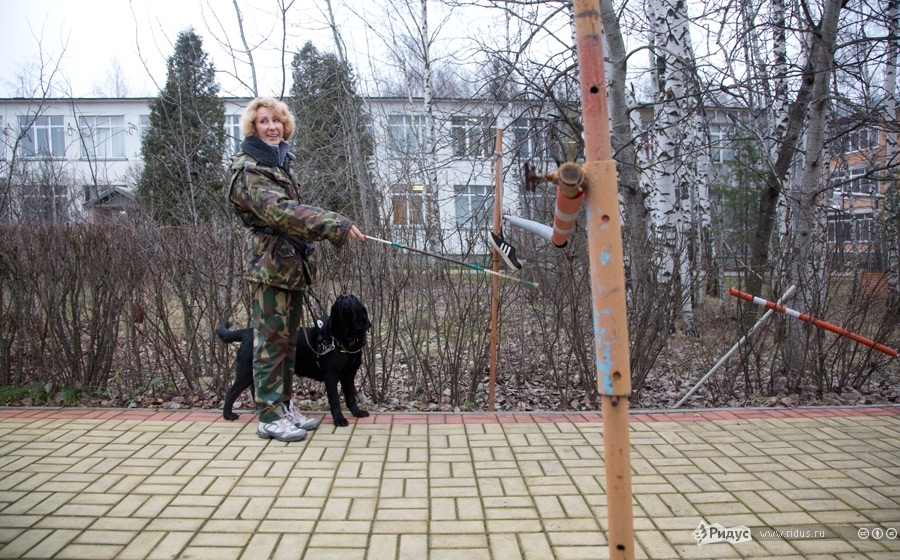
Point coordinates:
pixel 71 160
pixel 856 193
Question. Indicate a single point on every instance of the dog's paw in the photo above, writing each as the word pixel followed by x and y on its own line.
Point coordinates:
pixel 230 416
pixel 340 421
pixel 360 413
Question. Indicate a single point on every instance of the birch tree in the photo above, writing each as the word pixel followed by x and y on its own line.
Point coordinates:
pixel 807 234
pixel 892 195
pixel 38 80
pixel 409 33
pixel 675 180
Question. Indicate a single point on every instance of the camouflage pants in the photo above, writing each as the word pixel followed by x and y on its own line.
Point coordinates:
pixel 275 316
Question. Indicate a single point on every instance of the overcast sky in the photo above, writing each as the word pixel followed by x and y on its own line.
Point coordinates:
pixel 90 35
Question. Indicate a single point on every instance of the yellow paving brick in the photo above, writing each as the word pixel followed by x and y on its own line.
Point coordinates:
pixel 94 536
pixel 138 547
pixel 504 547
pixel 536 546
pixel 458 541
pixel 512 490
pixel 400 527
pixel 217 553
pixel 496 526
pixel 382 547
pixel 88 551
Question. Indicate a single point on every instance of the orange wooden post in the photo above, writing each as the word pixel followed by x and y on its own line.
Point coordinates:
pixel 607 278
pixel 495 285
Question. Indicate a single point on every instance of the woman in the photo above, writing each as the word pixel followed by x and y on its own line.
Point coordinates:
pixel 266 199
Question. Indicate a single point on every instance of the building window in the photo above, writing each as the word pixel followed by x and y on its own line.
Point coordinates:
pixel 474 206
pixel 473 136
pixel 102 137
pixel 408 205
pixel 46 201
pixel 233 132
pixel 530 138
pixel 721 149
pixel 406 134
pixel 144 121
pixel 841 227
pixel 853 180
pixel 45 137
pixel 859 140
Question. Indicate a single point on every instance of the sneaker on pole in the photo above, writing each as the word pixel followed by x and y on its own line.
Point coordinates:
pixel 507 251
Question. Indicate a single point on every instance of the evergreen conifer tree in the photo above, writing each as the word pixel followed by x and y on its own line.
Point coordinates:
pixel 184 147
pixel 329 141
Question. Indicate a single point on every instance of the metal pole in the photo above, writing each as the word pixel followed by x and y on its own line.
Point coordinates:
pixel 790 291
pixel 450 259
pixel 607 278
pixel 495 284
pixel 813 321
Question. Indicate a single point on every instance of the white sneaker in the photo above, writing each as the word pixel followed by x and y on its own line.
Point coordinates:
pixel 298 419
pixel 282 430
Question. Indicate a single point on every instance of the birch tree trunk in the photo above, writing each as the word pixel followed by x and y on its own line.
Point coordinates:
pixel 433 227
pixel 892 190
pixel 677 140
pixel 806 241
pixel 786 148
pixel 636 218
pixel 247 50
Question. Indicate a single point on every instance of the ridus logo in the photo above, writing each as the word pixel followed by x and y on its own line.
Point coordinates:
pixel 715 533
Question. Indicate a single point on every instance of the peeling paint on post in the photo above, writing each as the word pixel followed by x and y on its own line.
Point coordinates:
pixel 604 227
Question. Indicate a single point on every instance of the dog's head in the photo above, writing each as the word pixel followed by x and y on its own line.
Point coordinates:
pixel 349 322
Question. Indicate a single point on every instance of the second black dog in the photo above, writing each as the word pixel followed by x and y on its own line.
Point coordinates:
pixel 329 352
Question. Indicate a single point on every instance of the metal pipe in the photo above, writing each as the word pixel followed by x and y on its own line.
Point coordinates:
pixel 787 294
pixel 813 321
pixel 495 284
pixel 607 278
pixel 454 261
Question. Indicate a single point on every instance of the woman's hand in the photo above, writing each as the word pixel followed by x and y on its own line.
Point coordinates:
pixel 356 234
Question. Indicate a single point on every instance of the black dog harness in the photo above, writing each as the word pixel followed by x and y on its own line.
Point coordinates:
pixel 327 343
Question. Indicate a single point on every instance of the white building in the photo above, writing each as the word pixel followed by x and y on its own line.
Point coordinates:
pixel 79 159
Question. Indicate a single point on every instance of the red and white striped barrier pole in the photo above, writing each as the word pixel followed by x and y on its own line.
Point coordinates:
pixel 812 320
pixel 569 179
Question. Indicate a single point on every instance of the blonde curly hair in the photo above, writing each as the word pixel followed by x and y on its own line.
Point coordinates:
pixel 278 108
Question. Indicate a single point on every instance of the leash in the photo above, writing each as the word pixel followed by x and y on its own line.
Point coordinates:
pixel 454 261
pixel 307 293
pixel 317 318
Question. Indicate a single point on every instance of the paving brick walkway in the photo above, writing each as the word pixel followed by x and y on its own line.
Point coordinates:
pixel 102 484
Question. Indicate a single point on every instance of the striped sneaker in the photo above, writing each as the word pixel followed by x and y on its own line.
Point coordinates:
pixel 290 411
pixel 282 430
pixel 507 251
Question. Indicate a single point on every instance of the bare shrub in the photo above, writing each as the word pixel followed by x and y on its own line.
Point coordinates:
pixel 128 313
pixel 69 324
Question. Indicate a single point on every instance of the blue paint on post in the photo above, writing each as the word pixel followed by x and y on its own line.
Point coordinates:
pixel 603 357
pixel 605 257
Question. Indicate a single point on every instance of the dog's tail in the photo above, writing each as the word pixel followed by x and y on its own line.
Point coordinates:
pixel 228 335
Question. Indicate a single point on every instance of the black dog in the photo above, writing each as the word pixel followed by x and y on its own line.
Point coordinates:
pixel 330 352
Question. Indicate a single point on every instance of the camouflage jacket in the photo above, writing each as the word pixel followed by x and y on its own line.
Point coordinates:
pixel 265 194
